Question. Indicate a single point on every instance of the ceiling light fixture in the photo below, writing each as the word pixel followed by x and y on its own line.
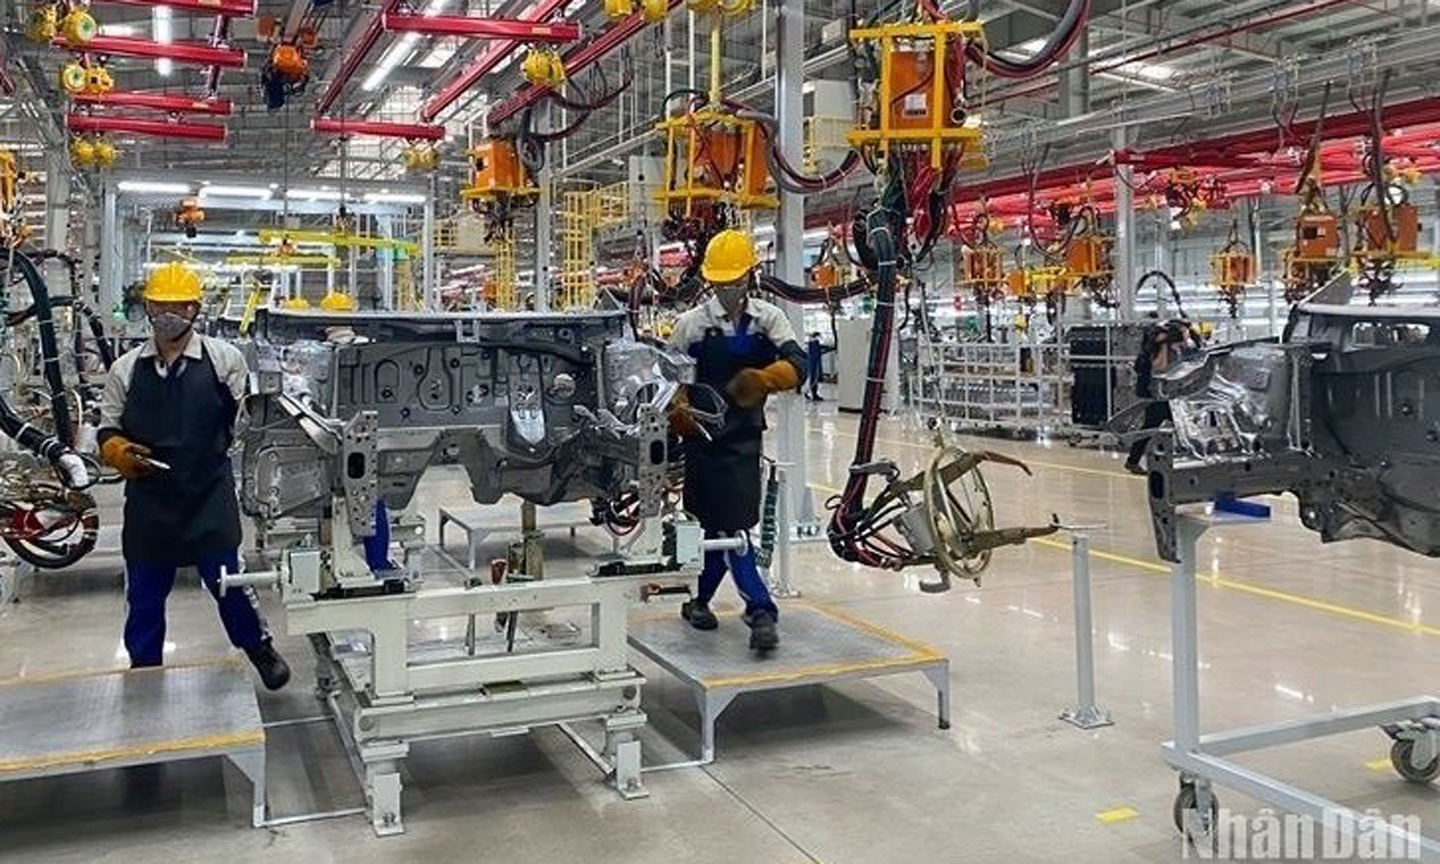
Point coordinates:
pixel 145 187
pixel 235 192
pixel 160 24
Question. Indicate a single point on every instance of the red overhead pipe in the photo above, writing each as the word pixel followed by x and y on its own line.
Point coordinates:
pixel 173 104
pixel 194 53
pixel 141 126
pixel 577 60
pixel 346 126
pixel 483 64
pixel 481 28
pixel 236 8
pixel 354 58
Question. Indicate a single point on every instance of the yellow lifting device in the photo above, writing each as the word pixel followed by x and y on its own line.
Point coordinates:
pixel 915 104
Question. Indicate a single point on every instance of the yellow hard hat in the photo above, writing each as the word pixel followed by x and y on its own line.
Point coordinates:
pixel 172 283
pixel 730 256
pixel 334 301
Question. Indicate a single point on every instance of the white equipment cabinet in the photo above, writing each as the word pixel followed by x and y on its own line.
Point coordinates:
pixel 853 355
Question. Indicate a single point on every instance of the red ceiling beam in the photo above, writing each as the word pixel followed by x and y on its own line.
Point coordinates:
pixel 578 60
pixel 482 65
pixel 354 57
pixel 172 104
pixel 481 28
pixel 193 53
pixel 233 8
pixel 408 131
pixel 143 126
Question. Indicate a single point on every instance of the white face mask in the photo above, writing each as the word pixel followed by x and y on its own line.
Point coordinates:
pixel 168 326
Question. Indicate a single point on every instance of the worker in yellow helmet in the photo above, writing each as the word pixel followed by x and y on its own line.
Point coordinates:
pixel 745 349
pixel 167 419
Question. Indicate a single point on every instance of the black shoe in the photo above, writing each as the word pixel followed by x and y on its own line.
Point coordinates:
pixel 763 636
pixel 273 669
pixel 1134 468
pixel 699 615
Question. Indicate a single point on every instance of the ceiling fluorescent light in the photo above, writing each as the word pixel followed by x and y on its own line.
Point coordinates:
pixel 145 187
pixel 235 192
pixel 117 29
pixel 312 195
pixel 394 57
pixel 160 23
pixel 394 198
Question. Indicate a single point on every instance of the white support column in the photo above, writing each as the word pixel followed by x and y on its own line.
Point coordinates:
pixel 790 245
pixel 111 252
pixel 1124 231
pixel 57 215
pixel 429 292
pixel 544 221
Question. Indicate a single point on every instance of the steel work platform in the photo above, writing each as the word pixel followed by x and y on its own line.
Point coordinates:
pixel 818 645
pixel 69 724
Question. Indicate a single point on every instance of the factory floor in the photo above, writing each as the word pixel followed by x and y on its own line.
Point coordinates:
pixel 856 772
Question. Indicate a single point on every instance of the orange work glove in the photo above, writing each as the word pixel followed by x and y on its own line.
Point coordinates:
pixel 121 454
pixel 749 387
pixel 682 422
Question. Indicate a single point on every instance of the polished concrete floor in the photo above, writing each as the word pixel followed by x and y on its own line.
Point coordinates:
pixel 856 772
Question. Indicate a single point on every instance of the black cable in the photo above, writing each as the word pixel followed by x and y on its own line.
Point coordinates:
pixel 49 347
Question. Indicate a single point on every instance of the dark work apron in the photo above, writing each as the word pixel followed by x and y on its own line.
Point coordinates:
pixel 722 476
pixel 190 512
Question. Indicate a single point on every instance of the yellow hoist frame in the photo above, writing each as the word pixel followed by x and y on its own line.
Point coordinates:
pixel 694 143
pixel 879 129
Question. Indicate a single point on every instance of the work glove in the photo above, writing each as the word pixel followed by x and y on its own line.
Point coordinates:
pixel 72 469
pixel 749 387
pixel 682 422
pixel 122 454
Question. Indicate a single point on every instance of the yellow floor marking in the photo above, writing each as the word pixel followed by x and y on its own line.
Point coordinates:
pixel 221 660
pixel 1381 764
pixel 1217 580
pixel 1117 814
pixel 212 742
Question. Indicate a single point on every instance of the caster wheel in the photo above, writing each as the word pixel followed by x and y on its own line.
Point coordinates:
pixel 1185 802
pixel 1400 753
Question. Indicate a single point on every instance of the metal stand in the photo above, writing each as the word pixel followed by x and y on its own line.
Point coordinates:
pixel 1202 760
pixel 1085 714
pixel 819 646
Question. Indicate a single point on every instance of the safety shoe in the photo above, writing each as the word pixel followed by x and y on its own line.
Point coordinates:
pixel 699 615
pixel 763 636
pixel 1135 468
pixel 273 669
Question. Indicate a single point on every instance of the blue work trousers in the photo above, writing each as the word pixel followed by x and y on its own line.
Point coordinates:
pixel 147 586
pixel 748 580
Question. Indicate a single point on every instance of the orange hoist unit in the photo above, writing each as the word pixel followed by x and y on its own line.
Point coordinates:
pixel 497 172
pixel 984 272
pixel 1317 238
pixel 1233 270
pixel 188 215
pixel 712 159
pixel 918 101
pixel 1400 239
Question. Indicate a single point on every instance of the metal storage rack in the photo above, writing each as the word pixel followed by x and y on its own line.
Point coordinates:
pixel 995 387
